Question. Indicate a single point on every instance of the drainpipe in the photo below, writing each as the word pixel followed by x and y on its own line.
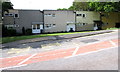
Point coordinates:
pixel 42 19
pixel 75 21
pixel 43 22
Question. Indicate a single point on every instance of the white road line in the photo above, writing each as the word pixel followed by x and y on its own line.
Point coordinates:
pixel 75 51
pixel 26 59
pixel 12 67
pixel 89 52
pixel 113 43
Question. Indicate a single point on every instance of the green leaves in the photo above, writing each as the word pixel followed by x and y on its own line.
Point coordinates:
pixel 104 6
pixel 6 6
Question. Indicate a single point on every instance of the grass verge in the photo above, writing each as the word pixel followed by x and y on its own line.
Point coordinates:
pixel 112 28
pixel 16 38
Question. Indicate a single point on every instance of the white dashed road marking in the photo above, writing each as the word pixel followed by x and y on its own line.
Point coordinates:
pixel 26 59
pixel 112 43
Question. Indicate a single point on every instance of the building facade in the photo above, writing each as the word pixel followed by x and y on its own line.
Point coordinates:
pixel 59 20
pixel 85 20
pixel 49 21
pixel 111 19
pixel 29 19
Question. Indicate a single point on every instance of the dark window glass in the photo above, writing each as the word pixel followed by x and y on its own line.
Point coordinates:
pixel 83 15
pixel 83 23
pixel 79 14
pixel 38 26
pixel 16 15
pixel 6 14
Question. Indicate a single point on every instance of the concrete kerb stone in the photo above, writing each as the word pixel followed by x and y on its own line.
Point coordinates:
pixel 54 38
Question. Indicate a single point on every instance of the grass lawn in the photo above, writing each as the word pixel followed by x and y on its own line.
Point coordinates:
pixel 16 38
pixel 112 28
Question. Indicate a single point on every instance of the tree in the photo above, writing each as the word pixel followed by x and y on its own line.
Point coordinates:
pixel 80 6
pixel 62 9
pixel 6 6
pixel 71 8
pixel 104 6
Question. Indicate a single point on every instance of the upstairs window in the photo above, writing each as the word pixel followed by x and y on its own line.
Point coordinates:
pixel 6 14
pixel 53 15
pixel 79 15
pixel 10 14
pixel 84 15
pixel 16 16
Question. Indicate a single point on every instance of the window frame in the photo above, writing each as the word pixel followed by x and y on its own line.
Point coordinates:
pixel 17 15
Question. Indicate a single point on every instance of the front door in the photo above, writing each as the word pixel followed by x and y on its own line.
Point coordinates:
pixel 70 27
pixel 95 27
pixel 36 28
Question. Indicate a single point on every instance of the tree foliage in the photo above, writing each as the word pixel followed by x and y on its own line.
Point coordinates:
pixel 104 6
pixel 62 9
pixel 6 6
pixel 80 6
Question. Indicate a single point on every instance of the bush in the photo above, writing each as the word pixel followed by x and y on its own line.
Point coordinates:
pixel 8 32
pixel 28 31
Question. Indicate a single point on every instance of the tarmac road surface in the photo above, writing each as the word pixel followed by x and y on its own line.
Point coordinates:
pixel 98 52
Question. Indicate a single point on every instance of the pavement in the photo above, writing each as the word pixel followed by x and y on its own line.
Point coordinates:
pixel 60 37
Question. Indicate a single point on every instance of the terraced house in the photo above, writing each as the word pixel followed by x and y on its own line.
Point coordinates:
pixel 48 21
pixel 29 19
pixel 59 20
pixel 111 19
pixel 85 20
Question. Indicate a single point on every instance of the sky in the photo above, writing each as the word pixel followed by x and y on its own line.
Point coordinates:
pixel 41 4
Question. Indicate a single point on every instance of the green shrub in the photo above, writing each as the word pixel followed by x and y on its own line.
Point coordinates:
pixel 8 31
pixel 28 31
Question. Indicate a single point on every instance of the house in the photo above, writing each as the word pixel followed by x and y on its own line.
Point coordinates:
pixel 85 20
pixel 29 19
pixel 40 21
pixel 49 21
pixel 111 19
pixel 59 21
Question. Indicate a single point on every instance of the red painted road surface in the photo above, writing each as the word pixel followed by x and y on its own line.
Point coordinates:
pixel 56 54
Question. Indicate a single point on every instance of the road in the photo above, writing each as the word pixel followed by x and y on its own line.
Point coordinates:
pixel 98 52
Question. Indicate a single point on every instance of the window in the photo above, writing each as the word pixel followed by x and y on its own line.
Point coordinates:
pixel 47 25
pixel 38 26
pixel 83 23
pixel 10 14
pixel 16 25
pixel 84 15
pixel 53 15
pixel 9 26
pixel 6 14
pixel 16 16
pixel 49 15
pixel 79 15
pixel 54 25
pixel 34 27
